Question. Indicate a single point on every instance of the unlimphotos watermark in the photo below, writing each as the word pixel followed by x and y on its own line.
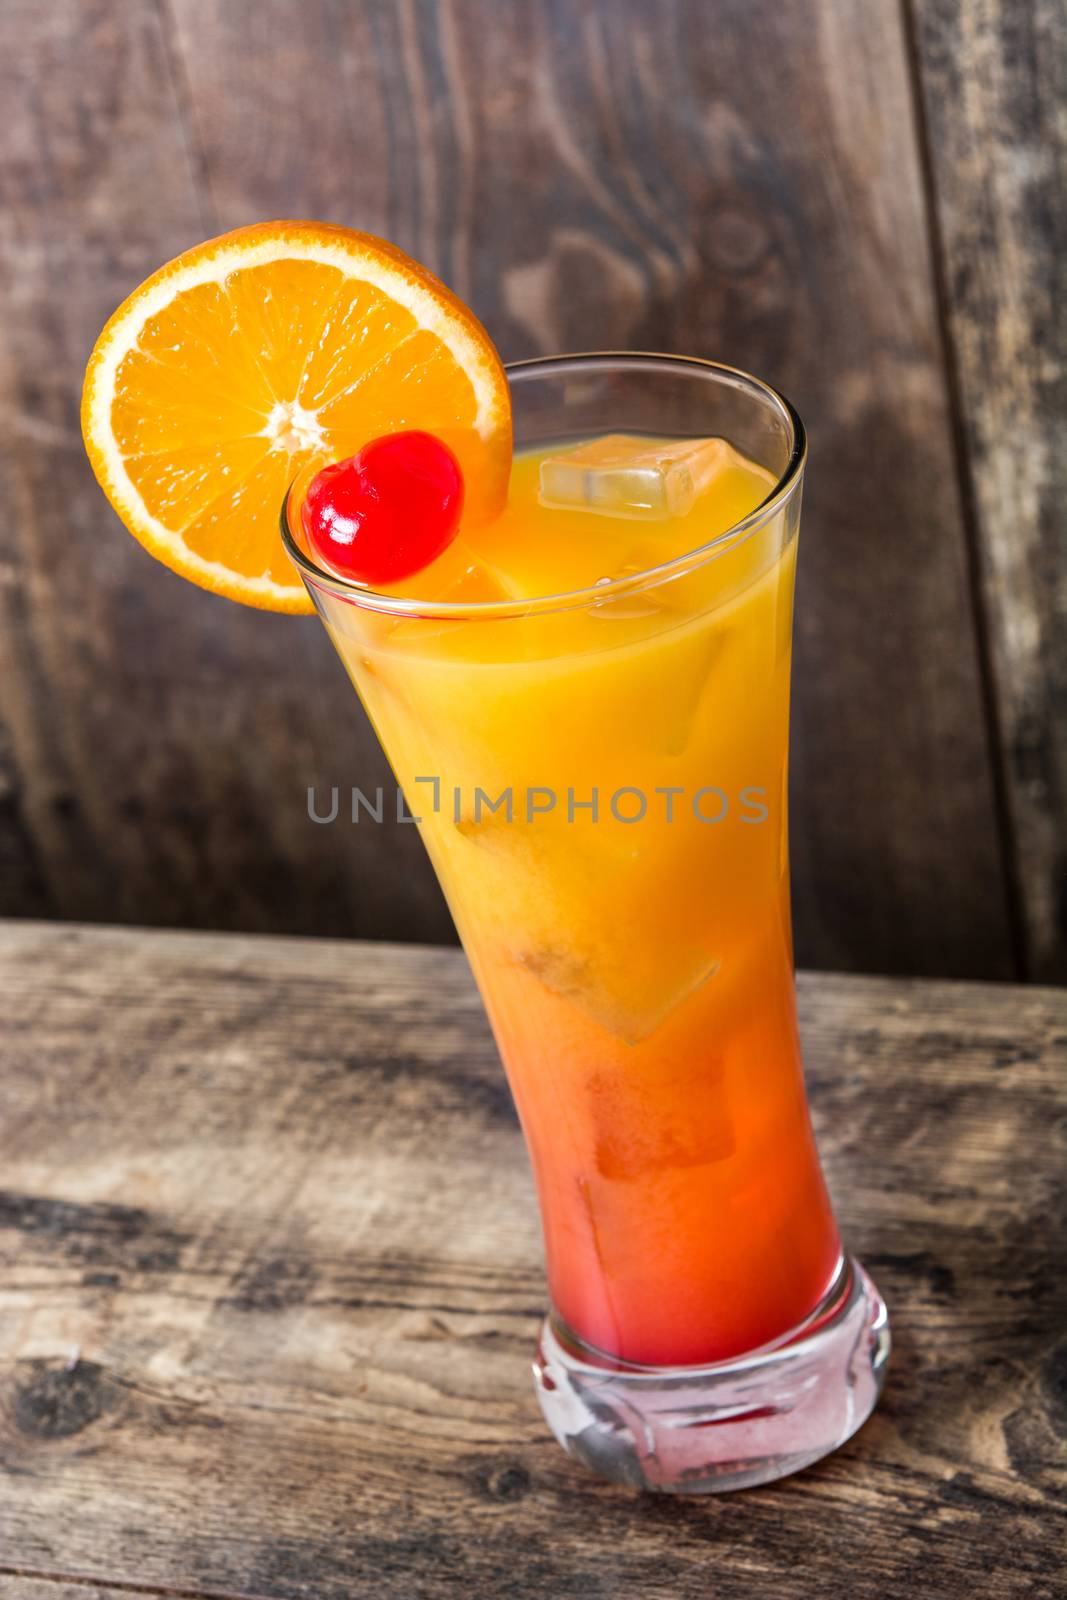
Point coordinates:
pixel 628 804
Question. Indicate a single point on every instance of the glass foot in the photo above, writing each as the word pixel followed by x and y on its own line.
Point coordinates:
pixel 692 1430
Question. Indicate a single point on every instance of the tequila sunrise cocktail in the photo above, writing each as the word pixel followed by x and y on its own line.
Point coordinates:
pixel 577 657
pixel 586 702
pixel 601 789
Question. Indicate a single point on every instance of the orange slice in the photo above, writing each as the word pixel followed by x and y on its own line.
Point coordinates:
pixel 249 358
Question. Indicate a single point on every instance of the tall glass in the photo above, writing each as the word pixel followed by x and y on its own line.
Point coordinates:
pixel 601 782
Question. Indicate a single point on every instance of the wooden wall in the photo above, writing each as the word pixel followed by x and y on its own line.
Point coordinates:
pixel 862 202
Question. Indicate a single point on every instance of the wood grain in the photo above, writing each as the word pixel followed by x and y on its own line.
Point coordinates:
pixel 994 77
pixel 750 191
pixel 28 1586
pixel 157 743
pixel 585 175
pixel 269 1278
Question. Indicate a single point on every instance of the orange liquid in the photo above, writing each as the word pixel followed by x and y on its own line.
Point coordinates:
pixel 638 974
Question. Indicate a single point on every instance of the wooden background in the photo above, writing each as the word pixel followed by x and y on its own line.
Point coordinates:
pixel 863 203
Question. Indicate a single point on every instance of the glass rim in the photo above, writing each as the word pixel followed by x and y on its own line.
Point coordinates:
pixel 318 577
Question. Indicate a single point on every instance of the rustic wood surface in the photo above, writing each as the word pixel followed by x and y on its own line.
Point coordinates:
pixel 156 744
pixel 269 1280
pixel 585 175
pixel 24 1586
pixel 995 85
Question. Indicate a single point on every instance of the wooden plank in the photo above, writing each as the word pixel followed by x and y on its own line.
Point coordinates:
pixel 27 1586
pixel 156 744
pixel 993 77
pixel 749 190
pixel 269 1279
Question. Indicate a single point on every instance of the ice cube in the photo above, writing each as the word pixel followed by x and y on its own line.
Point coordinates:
pixel 624 475
pixel 626 607
pixel 627 1003
pixel 641 1133
pixel 495 830
pixel 459 577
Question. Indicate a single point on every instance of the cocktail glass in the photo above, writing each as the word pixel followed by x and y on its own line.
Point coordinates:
pixel 601 781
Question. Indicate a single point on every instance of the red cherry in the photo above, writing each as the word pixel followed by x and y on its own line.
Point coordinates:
pixel 387 511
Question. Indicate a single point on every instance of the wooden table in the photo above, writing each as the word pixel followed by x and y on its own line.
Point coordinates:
pixel 269 1281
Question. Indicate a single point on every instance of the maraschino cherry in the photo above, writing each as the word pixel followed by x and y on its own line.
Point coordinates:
pixel 387 511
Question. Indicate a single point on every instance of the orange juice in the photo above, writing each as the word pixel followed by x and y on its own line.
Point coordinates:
pixel 601 787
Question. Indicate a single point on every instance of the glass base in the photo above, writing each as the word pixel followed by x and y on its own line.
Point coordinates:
pixel 699 1430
